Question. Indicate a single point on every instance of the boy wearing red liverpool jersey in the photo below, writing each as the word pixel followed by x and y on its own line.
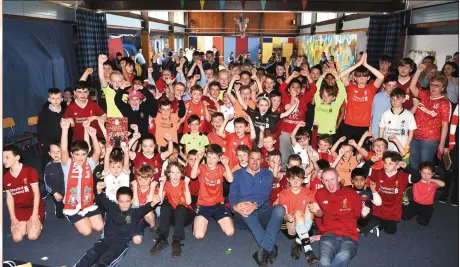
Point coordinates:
pixel 210 198
pixel 196 106
pixel 23 200
pixel 83 109
pixel 359 98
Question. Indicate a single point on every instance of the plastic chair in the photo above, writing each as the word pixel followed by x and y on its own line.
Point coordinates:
pixel 33 121
pixel 15 138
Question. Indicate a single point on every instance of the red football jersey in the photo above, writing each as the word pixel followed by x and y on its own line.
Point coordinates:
pixel 80 114
pixel 359 105
pixel 430 115
pixel 233 141
pixel 176 194
pixel 391 190
pixel 297 201
pixel 155 162
pixel 194 185
pixel 194 109
pixel 211 189
pixel 21 190
pixel 409 103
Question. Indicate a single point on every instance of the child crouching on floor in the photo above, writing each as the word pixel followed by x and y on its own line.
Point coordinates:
pixel 423 195
pixel 119 227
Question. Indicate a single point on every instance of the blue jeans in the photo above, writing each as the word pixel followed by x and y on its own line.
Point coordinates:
pixel 265 223
pixel 422 150
pixel 336 251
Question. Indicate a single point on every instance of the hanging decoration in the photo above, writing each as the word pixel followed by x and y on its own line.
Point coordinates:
pixel 284 4
pixel 182 3
pixel 304 4
pixel 222 4
pixel 262 4
pixel 243 3
pixel 202 4
pixel 243 24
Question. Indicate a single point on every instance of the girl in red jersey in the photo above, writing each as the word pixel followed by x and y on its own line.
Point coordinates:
pixel 148 153
pixel 143 191
pixel 177 210
pixel 23 200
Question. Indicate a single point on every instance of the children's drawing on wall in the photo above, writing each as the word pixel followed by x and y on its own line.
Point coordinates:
pixel 341 47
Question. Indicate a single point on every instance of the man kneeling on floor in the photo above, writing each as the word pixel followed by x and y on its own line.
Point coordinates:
pixel 249 198
pixel 120 223
pixel 340 207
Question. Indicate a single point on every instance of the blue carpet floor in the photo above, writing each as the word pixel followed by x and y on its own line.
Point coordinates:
pixel 412 245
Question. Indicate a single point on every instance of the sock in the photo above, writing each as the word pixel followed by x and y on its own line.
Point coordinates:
pixel 302 232
pixel 297 240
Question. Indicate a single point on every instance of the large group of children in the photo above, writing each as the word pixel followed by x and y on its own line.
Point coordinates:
pixel 193 126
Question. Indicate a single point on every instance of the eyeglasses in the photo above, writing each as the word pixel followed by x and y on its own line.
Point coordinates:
pixel 435 85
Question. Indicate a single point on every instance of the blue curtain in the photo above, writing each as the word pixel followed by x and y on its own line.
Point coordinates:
pixel 37 55
pixel 384 35
pixel 92 39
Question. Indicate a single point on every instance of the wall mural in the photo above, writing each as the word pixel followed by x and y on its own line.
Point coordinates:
pixel 341 47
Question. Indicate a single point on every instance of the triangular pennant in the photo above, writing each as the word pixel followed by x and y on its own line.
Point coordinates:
pixel 222 4
pixel 304 4
pixel 243 3
pixel 262 4
pixel 202 4
pixel 284 3
pixel 182 3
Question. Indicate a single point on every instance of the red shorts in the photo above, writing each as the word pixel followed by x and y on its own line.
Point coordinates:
pixel 23 214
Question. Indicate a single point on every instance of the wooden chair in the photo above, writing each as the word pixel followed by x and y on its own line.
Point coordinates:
pixel 33 121
pixel 15 138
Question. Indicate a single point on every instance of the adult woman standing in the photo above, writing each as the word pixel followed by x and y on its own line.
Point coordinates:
pixel 450 70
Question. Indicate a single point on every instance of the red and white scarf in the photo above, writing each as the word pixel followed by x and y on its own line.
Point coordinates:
pixel 85 204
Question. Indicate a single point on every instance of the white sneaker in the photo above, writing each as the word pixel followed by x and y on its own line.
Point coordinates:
pixel 375 231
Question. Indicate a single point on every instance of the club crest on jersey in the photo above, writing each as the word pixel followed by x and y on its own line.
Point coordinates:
pixel 344 203
pixel 25 180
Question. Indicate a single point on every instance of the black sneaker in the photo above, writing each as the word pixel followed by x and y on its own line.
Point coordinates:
pixel 273 255
pixel 442 200
pixel 311 257
pixel 176 248
pixel 159 246
pixel 296 250
pixel 261 257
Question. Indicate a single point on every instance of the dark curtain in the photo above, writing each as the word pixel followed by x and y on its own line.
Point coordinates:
pixel 92 39
pixel 37 55
pixel 384 35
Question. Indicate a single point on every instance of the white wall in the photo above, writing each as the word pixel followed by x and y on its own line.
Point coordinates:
pixel 38 9
pixel 443 45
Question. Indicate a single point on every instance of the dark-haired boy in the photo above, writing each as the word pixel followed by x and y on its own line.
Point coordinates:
pixel 384 65
pixel 382 102
pixel 120 225
pixel 83 109
pixel 360 97
pixel 406 69
pixel 194 139
pixel 196 106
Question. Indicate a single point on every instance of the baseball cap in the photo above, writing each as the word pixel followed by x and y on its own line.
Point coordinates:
pixel 135 93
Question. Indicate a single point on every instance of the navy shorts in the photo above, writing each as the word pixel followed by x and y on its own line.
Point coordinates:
pixel 75 218
pixel 217 211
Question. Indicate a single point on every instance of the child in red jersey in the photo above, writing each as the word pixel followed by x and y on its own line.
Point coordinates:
pixel 217 119
pixel 79 205
pixel 391 184
pixel 359 98
pixel 242 154
pixel 210 198
pixel 83 109
pixel 143 190
pixel 423 195
pixel 25 205
pixel 177 208
pixel 324 147
pixel 148 154
pixel 196 106
pixel 240 137
pixel 281 182
pixel 298 217
pixel 194 185
pixel 266 144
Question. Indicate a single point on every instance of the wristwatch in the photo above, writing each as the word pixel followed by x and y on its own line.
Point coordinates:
pixel 257 205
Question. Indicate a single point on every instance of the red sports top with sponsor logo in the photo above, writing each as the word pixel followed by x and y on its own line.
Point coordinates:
pixel 430 114
pixel 176 194
pixel 409 103
pixel 297 201
pixel 391 190
pixel 233 141
pixel 359 105
pixel 341 211
pixel 155 162
pixel 80 114
pixel 211 185
pixel 194 109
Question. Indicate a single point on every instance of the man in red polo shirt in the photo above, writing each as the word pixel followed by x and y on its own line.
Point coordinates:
pixel 340 207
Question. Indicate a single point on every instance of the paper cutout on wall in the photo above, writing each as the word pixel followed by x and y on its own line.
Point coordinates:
pixel 342 47
pixel 202 4
pixel 262 4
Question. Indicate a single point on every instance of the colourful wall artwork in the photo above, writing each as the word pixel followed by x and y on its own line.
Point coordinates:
pixel 341 47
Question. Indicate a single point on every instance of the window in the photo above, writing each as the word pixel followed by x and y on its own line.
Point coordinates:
pixel 346 14
pixel 306 18
pixel 325 16
pixel 179 17
pixel 163 15
pixel 135 12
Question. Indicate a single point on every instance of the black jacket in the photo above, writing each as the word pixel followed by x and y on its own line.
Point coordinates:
pixel 120 225
pixel 49 124
pixel 54 178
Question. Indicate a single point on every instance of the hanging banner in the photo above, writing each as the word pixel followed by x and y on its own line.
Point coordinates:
pixel 182 3
pixel 262 4
pixel 222 4
pixel 202 4
pixel 304 4
pixel 243 3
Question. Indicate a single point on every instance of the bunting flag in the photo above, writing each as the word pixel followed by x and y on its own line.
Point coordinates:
pixel 262 4
pixel 284 4
pixel 304 4
pixel 243 3
pixel 202 4
pixel 222 4
pixel 182 3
